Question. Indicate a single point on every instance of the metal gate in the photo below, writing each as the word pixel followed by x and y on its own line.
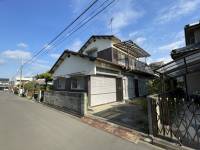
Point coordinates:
pixel 175 111
pixel 176 119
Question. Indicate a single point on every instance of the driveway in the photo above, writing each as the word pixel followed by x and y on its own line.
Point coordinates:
pixel 25 125
pixel 128 115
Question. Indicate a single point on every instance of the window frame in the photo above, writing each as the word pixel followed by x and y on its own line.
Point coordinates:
pixel 79 81
pixel 60 84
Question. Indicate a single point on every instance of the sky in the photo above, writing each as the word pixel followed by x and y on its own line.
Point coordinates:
pixel 27 26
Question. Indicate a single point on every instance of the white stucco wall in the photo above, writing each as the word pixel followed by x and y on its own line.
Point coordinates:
pixel 75 65
pixel 99 44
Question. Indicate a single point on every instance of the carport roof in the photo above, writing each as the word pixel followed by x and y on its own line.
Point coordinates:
pixel 131 47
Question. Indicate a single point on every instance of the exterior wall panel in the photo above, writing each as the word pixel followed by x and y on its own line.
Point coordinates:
pixel 193 82
pixel 100 44
pixel 105 54
pixel 75 65
pixel 67 82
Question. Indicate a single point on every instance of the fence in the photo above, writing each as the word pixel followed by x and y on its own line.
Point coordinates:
pixel 176 119
pixel 73 101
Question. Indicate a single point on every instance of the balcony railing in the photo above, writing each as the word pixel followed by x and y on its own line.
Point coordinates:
pixel 135 65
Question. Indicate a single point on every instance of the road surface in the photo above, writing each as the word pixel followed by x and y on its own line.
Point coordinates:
pixel 25 125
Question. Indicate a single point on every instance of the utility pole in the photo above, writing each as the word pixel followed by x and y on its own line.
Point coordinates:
pixel 21 68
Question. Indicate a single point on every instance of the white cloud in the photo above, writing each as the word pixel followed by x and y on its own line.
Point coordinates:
pixel 164 59
pixel 22 45
pixel 140 40
pixel 179 42
pixel 137 37
pixel 180 35
pixel 39 66
pixel 76 45
pixel 124 14
pixel 133 34
pixel 177 9
pixel 173 45
pixel 17 54
pixel 55 55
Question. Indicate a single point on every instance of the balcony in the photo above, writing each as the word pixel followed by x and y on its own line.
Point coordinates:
pixel 129 61
pixel 135 65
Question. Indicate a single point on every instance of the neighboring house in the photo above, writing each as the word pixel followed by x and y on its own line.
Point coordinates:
pixel 186 65
pixel 192 40
pixel 4 83
pixel 24 80
pixel 106 68
pixel 156 65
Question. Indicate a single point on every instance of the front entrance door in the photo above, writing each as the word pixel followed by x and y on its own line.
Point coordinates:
pixel 119 89
pixel 136 88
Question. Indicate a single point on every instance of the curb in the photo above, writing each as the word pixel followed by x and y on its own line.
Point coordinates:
pixel 141 136
pixel 168 145
pixel 118 131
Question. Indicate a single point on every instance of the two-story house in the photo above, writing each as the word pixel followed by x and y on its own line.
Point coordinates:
pixel 186 61
pixel 105 67
pixel 192 41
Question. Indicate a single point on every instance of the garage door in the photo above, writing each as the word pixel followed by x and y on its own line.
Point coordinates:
pixel 103 90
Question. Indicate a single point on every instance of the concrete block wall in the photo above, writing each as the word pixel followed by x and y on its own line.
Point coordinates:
pixel 74 101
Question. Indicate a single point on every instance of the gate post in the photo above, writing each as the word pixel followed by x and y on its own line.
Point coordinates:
pixel 84 106
pixel 150 118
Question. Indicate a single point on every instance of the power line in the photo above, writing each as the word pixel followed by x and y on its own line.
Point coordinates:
pixel 81 24
pixel 91 18
pixel 85 21
pixel 64 37
pixel 68 26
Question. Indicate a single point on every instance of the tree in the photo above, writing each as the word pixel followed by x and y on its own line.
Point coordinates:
pixel 47 76
pixel 31 85
pixel 154 86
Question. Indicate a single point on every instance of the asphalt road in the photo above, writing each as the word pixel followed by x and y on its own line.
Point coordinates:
pixel 25 125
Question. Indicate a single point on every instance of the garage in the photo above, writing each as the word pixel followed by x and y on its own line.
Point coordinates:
pixel 103 90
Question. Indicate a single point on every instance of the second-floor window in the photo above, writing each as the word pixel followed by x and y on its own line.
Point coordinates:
pixel 121 58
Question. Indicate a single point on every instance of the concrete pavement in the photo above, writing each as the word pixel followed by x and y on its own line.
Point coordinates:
pixel 25 125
